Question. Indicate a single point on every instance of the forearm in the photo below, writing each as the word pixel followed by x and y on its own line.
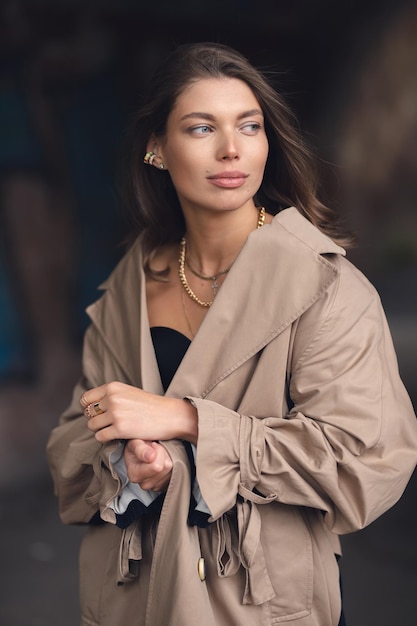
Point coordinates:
pixel 172 418
pixel 119 411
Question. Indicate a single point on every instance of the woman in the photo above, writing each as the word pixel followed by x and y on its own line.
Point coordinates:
pixel 242 396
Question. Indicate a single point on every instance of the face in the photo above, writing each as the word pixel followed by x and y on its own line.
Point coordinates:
pixel 215 147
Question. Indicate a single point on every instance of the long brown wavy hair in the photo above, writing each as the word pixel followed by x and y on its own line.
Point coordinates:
pixel 290 176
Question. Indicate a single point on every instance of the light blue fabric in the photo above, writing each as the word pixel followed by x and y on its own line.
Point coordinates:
pixel 130 491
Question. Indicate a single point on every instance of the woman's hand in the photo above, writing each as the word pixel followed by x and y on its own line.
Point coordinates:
pixel 148 464
pixel 119 411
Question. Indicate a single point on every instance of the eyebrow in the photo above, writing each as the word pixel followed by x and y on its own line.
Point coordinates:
pixel 209 116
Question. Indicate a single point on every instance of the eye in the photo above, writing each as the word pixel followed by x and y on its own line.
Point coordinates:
pixel 251 128
pixel 202 129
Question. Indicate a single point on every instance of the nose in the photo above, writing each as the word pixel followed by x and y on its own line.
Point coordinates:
pixel 228 148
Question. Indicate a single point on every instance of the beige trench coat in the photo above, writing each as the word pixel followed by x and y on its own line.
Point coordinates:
pixel 295 380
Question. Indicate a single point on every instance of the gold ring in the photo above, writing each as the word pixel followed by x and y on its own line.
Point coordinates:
pixel 148 158
pixel 97 409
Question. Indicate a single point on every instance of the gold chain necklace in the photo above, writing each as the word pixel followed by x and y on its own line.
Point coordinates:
pixel 183 279
pixel 181 268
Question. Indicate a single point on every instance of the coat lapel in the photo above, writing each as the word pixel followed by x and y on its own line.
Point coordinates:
pixel 121 317
pixel 279 274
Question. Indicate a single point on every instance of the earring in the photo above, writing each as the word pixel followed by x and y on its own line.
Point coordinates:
pixel 149 157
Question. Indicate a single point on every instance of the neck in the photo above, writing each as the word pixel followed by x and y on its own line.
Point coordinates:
pixel 213 244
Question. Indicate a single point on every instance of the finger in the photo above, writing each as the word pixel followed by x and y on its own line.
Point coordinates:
pixel 162 484
pixel 83 401
pixel 94 408
pixel 155 481
pixel 138 472
pixel 158 482
pixel 97 409
pixel 162 463
pixel 92 395
pixel 143 450
pixel 149 474
pixel 104 432
pixel 102 426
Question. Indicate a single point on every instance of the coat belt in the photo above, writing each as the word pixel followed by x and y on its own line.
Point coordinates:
pixel 246 549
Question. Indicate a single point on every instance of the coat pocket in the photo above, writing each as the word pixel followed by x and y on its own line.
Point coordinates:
pixel 288 553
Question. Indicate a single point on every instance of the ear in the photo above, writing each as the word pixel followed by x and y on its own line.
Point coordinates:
pixel 152 145
pixel 155 145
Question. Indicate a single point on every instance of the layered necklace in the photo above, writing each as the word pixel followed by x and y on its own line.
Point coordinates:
pixel 215 285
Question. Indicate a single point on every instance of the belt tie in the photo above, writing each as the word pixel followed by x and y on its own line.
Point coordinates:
pixel 245 549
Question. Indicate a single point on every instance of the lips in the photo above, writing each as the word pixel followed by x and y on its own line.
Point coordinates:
pixel 229 180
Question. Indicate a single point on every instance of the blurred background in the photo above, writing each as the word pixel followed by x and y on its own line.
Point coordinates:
pixel 71 74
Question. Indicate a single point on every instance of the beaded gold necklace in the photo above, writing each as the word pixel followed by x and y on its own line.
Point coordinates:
pixel 183 278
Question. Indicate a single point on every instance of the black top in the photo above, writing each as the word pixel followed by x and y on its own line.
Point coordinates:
pixel 170 347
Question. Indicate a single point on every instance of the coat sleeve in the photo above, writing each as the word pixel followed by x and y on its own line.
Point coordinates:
pixel 347 447
pixel 80 468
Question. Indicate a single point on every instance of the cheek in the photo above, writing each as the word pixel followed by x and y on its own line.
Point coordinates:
pixel 259 153
pixel 261 161
pixel 259 164
pixel 265 151
pixel 180 169
pixel 184 176
pixel 184 165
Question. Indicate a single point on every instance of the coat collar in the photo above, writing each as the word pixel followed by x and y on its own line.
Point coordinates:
pixel 283 268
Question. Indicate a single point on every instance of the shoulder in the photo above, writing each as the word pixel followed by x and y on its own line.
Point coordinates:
pixel 293 225
pixel 300 234
pixel 350 306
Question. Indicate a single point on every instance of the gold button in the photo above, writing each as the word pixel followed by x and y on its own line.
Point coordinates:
pixel 201 568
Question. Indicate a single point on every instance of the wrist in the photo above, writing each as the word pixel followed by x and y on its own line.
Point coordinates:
pixel 187 421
